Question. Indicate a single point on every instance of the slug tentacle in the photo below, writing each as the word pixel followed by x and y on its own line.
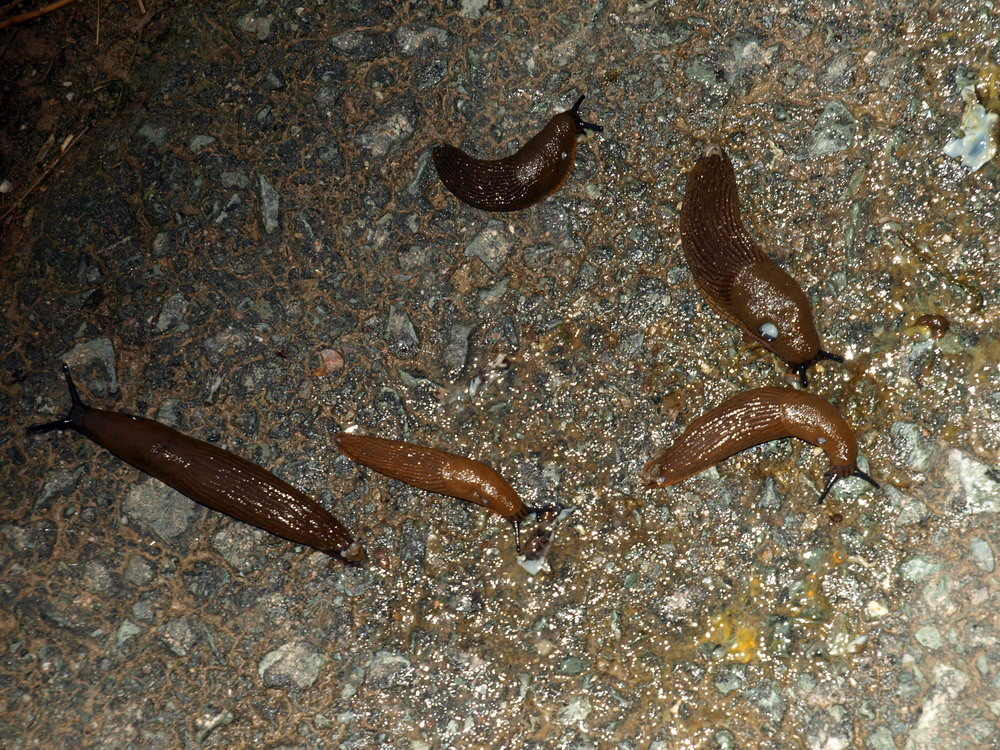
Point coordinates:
pixel 74 418
pixel 209 475
pixel 737 278
pixel 437 471
pixel 754 417
pixel 522 179
pixel 835 474
pixel 581 126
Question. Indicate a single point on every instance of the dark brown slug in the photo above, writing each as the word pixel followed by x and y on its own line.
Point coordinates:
pixel 536 171
pixel 211 476
pixel 437 471
pixel 755 417
pixel 740 282
pixel 936 325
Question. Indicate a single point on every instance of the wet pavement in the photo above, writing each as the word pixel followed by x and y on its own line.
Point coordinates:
pixel 248 241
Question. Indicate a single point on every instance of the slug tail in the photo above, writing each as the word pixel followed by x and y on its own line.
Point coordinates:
pixel 74 419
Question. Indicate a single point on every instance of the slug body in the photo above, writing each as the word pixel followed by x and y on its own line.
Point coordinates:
pixel 755 417
pixel 740 282
pixel 211 476
pixel 438 471
pixel 536 171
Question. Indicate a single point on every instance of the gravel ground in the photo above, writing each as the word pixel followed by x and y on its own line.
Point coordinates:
pixel 237 230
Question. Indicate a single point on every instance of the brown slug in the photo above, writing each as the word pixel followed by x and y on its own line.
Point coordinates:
pixel 536 171
pixel 437 471
pixel 753 417
pixel 211 476
pixel 740 282
pixel 936 325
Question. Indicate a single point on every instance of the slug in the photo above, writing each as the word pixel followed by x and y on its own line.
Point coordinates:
pixel 434 470
pixel 211 476
pixel 755 417
pixel 740 282
pixel 536 171
pixel 936 325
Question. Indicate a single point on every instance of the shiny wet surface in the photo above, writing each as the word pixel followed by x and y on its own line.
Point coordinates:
pixel 253 248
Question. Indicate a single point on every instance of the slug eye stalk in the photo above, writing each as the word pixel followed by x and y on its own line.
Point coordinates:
pixel 835 476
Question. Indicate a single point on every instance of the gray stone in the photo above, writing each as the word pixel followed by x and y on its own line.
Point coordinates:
pixel 99 350
pixel 400 333
pixel 981 491
pixel 235 179
pixel 178 636
pixel 159 508
pixel 929 636
pixel 918 568
pixel 259 26
pixel 982 554
pixel 472 8
pixel 155 134
pixel 881 739
pixel 200 142
pixel 138 570
pixel 492 245
pixel 172 313
pixel 910 447
pixel 293 664
pixel 456 349
pixel 386 136
pixel 388 668
pixel 834 130
pixel 210 720
pixel 126 631
pixel 269 205
pixel 60 482
pixel 414 38
pixel 575 712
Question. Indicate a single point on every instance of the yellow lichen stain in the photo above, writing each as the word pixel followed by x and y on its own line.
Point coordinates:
pixel 736 628
pixel 742 628
pixel 739 639
pixel 988 87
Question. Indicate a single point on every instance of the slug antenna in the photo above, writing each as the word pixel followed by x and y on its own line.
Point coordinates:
pixel 74 419
pixel 833 477
pixel 580 124
pixel 861 475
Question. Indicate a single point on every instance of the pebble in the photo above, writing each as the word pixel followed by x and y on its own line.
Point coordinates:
pixel 172 313
pixel 981 491
pixel 929 636
pixel 388 668
pixel 200 142
pixel 178 636
pixel 159 508
pixel 982 554
pixel 99 350
pixel 834 130
pixel 492 245
pixel 576 711
pixel 293 664
pixel 126 631
pixel 270 201
pixel 400 333
pixel 910 447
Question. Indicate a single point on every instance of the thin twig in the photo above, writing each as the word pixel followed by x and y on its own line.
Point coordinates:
pixel 34 13
pixel 44 174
